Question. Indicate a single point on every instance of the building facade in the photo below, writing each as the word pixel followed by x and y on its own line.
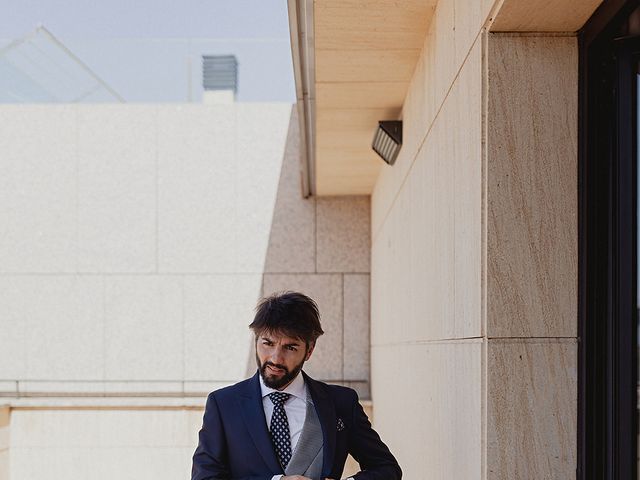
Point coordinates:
pixel 477 293
pixel 136 241
pixel 479 286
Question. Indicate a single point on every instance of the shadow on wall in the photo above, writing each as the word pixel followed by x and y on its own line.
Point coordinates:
pixel 149 232
pixel 321 247
pixel 291 244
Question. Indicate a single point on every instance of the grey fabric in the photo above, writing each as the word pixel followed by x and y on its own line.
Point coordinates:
pixel 307 457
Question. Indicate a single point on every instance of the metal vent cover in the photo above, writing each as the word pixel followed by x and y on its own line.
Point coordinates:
pixel 220 72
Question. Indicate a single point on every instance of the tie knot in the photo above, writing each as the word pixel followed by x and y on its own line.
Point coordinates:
pixel 278 398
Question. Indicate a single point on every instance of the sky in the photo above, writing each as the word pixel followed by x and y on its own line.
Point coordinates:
pixel 149 50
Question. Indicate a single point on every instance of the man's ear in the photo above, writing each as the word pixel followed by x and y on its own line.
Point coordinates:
pixel 310 351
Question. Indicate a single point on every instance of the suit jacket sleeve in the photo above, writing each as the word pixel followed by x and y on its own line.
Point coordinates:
pixel 210 458
pixel 366 447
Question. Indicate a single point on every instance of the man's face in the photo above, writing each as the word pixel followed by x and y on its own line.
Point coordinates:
pixel 280 358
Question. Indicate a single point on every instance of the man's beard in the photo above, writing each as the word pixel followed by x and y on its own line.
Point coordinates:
pixel 278 382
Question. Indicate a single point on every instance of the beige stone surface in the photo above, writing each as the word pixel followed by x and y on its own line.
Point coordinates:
pixel 356 327
pixel 466 129
pixel 390 300
pixel 543 15
pixel 100 464
pixel 104 428
pixel 57 309
pixel 264 134
pixel 8 386
pixel 38 188
pixel 292 232
pixel 433 229
pixel 117 187
pixel 133 400
pixel 99 329
pixel 4 465
pixel 435 429
pixel 5 419
pixel 38 314
pixel 417 200
pixel 4 442
pixel 204 388
pixel 417 113
pixel 343 234
pixel 469 20
pixel 379 305
pixel 13 345
pixel 531 408
pixel 196 192
pixel 451 43
pixel 218 310
pixel 143 333
pixel 442 47
pixel 228 209
pixel 441 202
pixel 144 388
pixel 326 290
pixel 43 388
pixel 531 186
pixel 390 179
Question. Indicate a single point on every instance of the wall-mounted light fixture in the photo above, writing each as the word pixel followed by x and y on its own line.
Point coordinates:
pixel 388 139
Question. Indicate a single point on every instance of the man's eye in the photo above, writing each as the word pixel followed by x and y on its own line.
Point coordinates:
pixel 292 348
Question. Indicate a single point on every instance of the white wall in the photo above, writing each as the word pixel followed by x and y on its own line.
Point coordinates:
pixel 135 241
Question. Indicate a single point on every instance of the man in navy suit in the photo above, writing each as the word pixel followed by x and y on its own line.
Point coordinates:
pixel 281 424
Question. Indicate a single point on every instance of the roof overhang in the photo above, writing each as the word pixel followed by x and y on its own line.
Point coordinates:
pixel 353 61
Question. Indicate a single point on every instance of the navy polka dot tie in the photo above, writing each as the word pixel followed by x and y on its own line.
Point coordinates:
pixel 280 428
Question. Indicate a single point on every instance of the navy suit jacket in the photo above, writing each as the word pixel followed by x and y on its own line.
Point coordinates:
pixel 234 442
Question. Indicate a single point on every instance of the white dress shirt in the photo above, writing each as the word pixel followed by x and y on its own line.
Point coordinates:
pixel 295 408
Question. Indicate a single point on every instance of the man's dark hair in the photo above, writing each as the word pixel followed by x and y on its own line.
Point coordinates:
pixel 290 313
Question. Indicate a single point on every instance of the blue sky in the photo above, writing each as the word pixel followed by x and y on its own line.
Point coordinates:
pixel 143 48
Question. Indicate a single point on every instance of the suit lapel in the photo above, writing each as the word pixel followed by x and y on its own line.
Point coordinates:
pixel 253 415
pixel 327 415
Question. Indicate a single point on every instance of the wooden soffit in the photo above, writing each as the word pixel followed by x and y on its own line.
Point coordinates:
pixel 365 55
pixel 543 15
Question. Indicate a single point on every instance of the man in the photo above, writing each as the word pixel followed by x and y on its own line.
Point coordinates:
pixel 281 424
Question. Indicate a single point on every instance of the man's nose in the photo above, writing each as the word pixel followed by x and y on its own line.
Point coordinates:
pixel 276 355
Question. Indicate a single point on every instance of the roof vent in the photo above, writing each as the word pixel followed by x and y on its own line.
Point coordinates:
pixel 219 78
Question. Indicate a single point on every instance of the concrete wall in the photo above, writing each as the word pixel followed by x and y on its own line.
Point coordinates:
pixel 135 242
pixel 474 258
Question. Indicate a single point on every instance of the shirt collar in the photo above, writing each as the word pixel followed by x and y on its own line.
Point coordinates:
pixel 297 388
